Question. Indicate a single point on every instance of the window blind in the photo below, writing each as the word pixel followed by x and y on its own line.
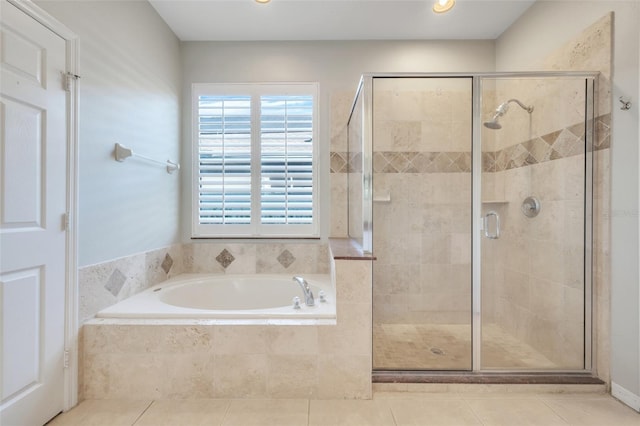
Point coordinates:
pixel 286 159
pixel 254 160
pixel 224 153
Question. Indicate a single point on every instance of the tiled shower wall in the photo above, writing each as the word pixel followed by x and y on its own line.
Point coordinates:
pixel 422 200
pixel 547 152
pixel 107 283
pixel 533 275
pixel 534 271
pixel 421 225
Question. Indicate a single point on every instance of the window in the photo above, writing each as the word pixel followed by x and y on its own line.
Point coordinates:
pixel 255 155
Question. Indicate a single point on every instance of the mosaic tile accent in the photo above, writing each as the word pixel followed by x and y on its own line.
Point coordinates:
pixel 421 162
pixel 602 132
pixel 225 258
pixel 552 146
pixel 167 263
pixel 355 162
pixel 286 258
pixel 115 282
pixel 344 162
pixel 339 162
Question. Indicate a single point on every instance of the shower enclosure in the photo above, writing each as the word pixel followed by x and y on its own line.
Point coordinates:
pixel 473 193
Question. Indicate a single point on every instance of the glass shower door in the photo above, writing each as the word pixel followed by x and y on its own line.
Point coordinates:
pixel 535 187
pixel 422 133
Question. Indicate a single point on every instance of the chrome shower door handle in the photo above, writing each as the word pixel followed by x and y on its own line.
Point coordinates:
pixel 492 235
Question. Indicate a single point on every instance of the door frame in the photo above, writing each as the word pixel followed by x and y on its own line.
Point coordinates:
pixel 71 267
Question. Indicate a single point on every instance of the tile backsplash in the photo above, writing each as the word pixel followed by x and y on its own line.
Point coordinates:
pixel 107 283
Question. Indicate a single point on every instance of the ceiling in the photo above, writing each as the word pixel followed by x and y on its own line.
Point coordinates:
pixel 337 19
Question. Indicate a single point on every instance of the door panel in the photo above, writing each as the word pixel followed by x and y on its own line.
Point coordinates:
pixel 422 223
pixel 33 164
pixel 22 164
pixel 534 189
pixel 20 330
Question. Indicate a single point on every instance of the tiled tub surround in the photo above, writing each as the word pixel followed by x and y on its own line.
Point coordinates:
pixel 228 296
pixel 248 258
pixel 107 283
pixel 227 359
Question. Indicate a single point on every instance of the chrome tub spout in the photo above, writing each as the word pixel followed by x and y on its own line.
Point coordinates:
pixel 308 294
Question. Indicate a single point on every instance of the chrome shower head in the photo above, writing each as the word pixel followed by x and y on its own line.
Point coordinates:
pixel 493 124
pixel 502 110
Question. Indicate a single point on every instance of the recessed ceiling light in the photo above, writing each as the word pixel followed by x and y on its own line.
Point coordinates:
pixel 442 6
pixel 263 1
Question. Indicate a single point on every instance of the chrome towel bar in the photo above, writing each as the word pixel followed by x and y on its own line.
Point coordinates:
pixel 121 153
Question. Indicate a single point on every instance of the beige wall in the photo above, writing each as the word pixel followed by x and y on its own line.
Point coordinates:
pixel 337 66
pixel 527 45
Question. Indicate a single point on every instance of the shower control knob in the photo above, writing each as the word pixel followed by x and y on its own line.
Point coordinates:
pixel 530 207
pixel 296 302
pixel 323 296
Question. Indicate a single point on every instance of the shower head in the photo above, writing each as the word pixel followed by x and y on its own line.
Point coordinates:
pixel 502 110
pixel 493 124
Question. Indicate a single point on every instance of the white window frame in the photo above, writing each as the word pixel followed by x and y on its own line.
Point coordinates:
pixel 255 229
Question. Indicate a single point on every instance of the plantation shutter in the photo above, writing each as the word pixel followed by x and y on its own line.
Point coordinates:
pixel 286 165
pixel 224 153
pixel 254 160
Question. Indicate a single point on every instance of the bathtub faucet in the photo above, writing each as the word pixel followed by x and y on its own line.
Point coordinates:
pixel 308 294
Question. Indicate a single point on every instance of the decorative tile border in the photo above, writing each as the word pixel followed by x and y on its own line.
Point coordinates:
pixel 421 162
pixel 346 162
pixel 552 146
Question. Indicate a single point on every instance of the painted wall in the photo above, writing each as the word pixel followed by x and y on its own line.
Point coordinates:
pixel 544 27
pixel 337 66
pixel 129 93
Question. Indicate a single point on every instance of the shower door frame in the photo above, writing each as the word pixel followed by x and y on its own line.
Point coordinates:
pixel 365 89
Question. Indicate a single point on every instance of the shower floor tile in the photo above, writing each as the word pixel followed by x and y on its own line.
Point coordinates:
pixel 448 347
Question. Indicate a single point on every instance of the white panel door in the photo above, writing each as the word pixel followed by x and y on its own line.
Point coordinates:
pixel 33 164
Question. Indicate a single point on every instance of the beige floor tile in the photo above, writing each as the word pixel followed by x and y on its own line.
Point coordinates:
pixel 499 396
pixel 573 395
pixel 509 412
pixel 350 413
pixel 267 412
pixel 594 411
pixel 107 412
pixel 192 412
pixel 417 395
pixel 432 412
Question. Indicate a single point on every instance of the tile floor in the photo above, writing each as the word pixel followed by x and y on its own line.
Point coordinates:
pixel 448 347
pixel 387 408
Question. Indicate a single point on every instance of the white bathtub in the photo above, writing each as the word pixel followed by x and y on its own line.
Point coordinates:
pixel 212 296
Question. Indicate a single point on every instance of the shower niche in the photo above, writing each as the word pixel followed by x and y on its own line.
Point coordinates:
pixel 464 279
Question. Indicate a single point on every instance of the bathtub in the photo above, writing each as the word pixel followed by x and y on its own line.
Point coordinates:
pixel 227 296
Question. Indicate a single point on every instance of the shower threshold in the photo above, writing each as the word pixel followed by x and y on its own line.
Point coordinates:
pixel 473 377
